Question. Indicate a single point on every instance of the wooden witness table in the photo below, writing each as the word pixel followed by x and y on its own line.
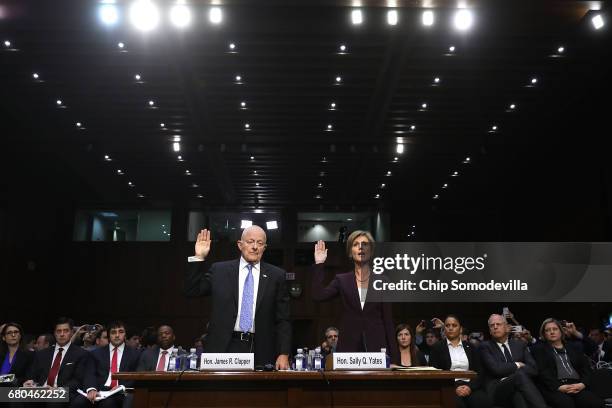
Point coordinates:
pixel 423 389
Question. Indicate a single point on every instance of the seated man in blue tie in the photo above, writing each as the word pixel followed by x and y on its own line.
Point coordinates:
pixel 508 368
pixel 112 358
pixel 250 302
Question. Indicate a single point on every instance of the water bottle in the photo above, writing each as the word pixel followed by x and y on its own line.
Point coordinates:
pixel 299 360
pixel 172 360
pixel 311 354
pixel 387 357
pixel 193 360
pixel 317 360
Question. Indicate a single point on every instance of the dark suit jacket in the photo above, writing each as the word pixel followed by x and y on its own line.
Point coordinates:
pixel 547 366
pixel 147 360
pixel 370 328
pixel 72 370
pixel 440 358
pixel 22 360
pixel 99 367
pixel 272 325
pixel 494 364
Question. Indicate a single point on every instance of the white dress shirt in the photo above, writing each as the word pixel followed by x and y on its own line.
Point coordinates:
pixel 169 351
pixel 243 271
pixel 57 347
pixel 110 363
pixel 459 359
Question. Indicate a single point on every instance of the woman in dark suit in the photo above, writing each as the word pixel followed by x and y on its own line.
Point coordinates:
pixel 457 355
pixel 410 355
pixel 364 326
pixel 564 373
pixel 14 358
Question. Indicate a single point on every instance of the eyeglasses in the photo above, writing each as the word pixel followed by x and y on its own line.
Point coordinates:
pixel 251 242
pixel 12 333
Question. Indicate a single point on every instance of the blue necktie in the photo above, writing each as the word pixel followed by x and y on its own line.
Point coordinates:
pixel 246 308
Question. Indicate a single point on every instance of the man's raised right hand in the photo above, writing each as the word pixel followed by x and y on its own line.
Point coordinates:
pixel 202 245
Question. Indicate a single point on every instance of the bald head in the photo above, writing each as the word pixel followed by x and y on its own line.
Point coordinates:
pixel 253 228
pixel 252 244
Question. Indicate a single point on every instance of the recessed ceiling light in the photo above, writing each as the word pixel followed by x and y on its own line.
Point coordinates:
pixel 121 45
pixel 176 146
pixel 151 103
pixel 451 48
pixel 215 15
pixel 137 77
pixel 58 102
pixel 232 46
pixel 428 18
pixel 320 185
pixel 176 138
pixel 131 184
pixel 436 196
pixel 252 158
pixel 332 105
pixel 162 125
pixel 120 172
pixel 247 126
pixel 180 158
pixel 412 127
pixel 342 48
pixel 395 159
pixel 338 79
pixel 35 75
pixel 356 17
pixel 144 15
pixel 437 80
pixel 200 196
pixel 256 184
pixel 180 15
pixel 7 43
pixel 463 19
pixel 455 174
pixel 445 185
pixel 377 196
pixel 467 160
pixel 597 21
pixel 399 148
pixel 512 106
pixel 561 50
pixel 108 14
pixel 329 127
pixel 494 128
pixel 389 173
pixel 238 78
pixel 255 172
pixel 383 185
pixel 392 17
pixel 107 157
pixel 78 124
pixel 187 172
pixel 423 106
pixel 243 104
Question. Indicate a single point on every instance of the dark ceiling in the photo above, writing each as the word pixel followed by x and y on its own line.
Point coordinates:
pixel 287 54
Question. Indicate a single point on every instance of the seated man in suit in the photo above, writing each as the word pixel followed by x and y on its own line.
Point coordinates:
pixel 250 303
pixel 62 365
pixel 107 360
pixel 157 357
pixel 508 368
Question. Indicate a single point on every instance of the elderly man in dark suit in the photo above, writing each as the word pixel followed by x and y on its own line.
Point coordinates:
pixel 509 368
pixel 250 302
pixel 63 365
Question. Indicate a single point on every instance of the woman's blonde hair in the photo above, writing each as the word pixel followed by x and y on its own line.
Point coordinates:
pixel 356 234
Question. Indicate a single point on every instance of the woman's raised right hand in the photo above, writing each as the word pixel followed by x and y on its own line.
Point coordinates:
pixel 320 252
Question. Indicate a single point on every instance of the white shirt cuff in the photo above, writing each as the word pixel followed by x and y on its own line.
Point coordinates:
pixel 89 389
pixel 195 259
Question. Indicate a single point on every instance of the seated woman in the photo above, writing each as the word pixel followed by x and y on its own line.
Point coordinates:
pixel 410 355
pixel 456 355
pixel 365 325
pixel 564 373
pixel 14 357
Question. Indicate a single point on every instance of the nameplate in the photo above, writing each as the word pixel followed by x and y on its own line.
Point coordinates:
pixel 359 361
pixel 227 362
